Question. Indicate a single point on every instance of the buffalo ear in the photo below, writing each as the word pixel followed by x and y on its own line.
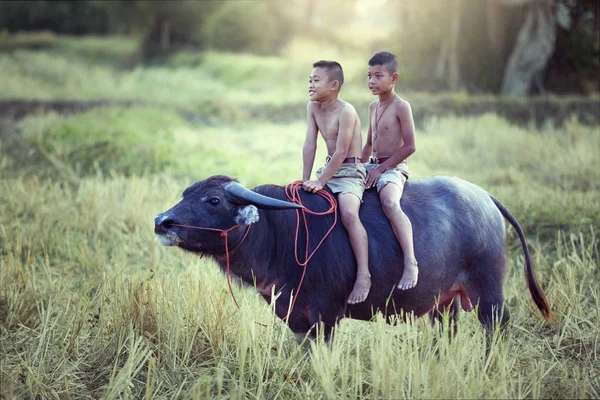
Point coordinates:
pixel 242 195
pixel 246 215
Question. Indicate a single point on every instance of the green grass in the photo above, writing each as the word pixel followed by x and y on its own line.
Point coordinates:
pixel 565 158
pixel 554 185
pixel 231 86
pixel 92 69
pixel 92 306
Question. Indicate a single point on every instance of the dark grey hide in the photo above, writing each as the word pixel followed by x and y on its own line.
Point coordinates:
pixel 458 234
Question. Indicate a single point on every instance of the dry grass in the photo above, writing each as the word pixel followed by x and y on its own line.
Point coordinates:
pixel 92 306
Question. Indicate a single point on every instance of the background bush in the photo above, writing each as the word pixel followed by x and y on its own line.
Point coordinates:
pixel 127 141
pixel 239 28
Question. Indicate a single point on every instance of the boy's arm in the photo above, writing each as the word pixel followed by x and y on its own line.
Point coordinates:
pixel 348 119
pixel 368 149
pixel 310 144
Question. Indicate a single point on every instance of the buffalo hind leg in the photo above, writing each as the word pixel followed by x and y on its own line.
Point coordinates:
pixel 484 287
pixel 491 310
pixel 493 313
pixel 489 303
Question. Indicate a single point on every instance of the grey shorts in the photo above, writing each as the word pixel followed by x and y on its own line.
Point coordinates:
pixel 397 175
pixel 349 178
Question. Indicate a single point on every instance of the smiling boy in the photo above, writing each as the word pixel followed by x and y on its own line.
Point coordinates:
pixel 344 173
pixel 390 140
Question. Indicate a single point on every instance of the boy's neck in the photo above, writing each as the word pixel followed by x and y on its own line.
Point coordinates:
pixel 329 102
pixel 387 97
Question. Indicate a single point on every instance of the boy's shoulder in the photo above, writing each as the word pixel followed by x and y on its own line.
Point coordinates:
pixel 402 105
pixel 347 107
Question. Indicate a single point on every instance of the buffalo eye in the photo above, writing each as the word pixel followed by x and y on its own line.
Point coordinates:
pixel 214 201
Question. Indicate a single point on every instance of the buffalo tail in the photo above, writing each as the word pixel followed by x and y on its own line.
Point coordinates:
pixel 534 288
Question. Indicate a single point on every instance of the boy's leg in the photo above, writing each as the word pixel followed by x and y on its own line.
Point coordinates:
pixel 349 207
pixel 390 201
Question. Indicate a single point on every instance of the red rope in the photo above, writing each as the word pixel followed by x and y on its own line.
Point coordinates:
pixel 292 191
pixel 224 235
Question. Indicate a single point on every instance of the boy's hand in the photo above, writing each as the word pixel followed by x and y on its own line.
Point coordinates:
pixel 312 186
pixel 372 178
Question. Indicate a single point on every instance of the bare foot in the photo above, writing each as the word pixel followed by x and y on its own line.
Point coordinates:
pixel 409 276
pixel 360 290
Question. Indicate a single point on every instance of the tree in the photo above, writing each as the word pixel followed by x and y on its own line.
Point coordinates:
pixel 575 64
pixel 533 49
pixel 60 16
pixel 245 26
pixel 172 24
pixel 448 65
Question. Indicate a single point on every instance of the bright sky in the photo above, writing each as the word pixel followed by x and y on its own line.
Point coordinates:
pixel 363 6
pixel 372 11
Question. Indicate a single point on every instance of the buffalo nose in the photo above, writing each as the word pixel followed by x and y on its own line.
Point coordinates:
pixel 163 219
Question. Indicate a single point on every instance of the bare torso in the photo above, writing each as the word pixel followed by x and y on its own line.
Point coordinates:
pixel 386 128
pixel 328 123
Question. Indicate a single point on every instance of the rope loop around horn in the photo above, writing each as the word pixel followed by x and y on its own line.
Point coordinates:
pixel 247 196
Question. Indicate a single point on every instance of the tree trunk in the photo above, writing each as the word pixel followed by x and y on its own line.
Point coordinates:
pixel 165 35
pixel 535 44
pixel 310 13
pixel 453 58
pixel 448 59
pixel 440 70
pixel 496 27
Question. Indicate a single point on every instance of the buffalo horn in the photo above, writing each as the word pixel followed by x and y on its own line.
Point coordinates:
pixel 249 197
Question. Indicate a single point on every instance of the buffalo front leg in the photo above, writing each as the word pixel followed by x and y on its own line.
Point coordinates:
pixel 452 308
pixel 301 328
pixel 323 323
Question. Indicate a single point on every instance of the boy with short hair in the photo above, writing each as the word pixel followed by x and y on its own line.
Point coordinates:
pixel 344 171
pixel 391 139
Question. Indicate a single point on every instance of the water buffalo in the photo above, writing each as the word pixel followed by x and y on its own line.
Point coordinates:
pixel 458 234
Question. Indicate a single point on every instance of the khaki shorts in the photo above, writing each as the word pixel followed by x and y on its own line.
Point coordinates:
pixel 397 175
pixel 349 178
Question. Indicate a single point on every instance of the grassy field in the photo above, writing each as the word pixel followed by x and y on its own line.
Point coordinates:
pixel 92 306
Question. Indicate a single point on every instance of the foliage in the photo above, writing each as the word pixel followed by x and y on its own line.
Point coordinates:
pixel 576 61
pixel 421 29
pixel 172 25
pixel 241 26
pixel 30 41
pixel 416 31
pixel 60 16
pixel 218 85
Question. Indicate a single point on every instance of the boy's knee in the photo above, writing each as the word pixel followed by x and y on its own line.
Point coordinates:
pixel 389 203
pixel 349 217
